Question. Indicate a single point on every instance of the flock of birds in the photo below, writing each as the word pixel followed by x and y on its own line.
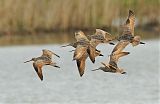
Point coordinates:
pixel 85 48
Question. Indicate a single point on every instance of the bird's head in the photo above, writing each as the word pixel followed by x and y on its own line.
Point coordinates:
pixel 136 40
pixel 101 32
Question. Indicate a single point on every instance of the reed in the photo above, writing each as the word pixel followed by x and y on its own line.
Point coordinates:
pixel 32 15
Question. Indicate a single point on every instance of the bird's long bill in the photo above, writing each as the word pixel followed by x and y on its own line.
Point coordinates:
pixel 65 45
pixel 95 69
pixel 72 51
pixel 28 61
pixel 56 55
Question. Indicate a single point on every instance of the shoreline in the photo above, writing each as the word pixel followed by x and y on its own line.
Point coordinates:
pixel 153 28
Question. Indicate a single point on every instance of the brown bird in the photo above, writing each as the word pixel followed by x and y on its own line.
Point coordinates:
pixel 128 31
pixel 100 36
pixel 48 53
pixel 44 59
pixel 112 66
pixel 120 47
pixel 114 57
pixel 74 45
pixel 80 53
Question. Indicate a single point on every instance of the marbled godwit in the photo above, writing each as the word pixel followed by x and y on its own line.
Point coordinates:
pixel 81 60
pixel 48 53
pixel 74 45
pixel 112 66
pixel 80 53
pixel 45 59
pixel 114 57
pixel 100 36
pixel 128 33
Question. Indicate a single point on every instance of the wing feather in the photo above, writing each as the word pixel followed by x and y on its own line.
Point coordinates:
pixel 38 68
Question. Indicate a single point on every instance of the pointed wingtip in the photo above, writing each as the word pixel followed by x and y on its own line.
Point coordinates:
pixel 124 73
pixel 94 69
pixel 101 55
pixel 41 79
pixel 57 66
pixel 81 75
pixel 93 61
pixel 142 43
pixel 131 12
pixel 111 43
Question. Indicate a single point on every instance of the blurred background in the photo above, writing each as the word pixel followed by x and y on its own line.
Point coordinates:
pixel 55 21
pixel 28 26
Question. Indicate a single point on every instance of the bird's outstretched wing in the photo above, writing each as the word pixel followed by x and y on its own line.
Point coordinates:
pixel 131 17
pixel 128 28
pixel 38 68
pixel 48 53
pixel 100 36
pixel 79 52
pixel 81 64
pixel 120 46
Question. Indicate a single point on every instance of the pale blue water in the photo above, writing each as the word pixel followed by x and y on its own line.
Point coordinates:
pixel 20 84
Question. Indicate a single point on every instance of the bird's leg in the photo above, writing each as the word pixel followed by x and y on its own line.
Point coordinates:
pixel 54 64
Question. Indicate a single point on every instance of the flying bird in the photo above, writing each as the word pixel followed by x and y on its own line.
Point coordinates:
pixel 114 57
pixel 44 59
pixel 112 66
pixel 80 53
pixel 100 36
pixel 128 31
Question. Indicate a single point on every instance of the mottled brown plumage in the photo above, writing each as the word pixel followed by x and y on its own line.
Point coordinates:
pixel 100 36
pixel 112 66
pixel 114 57
pixel 39 62
pixel 48 53
pixel 80 53
pixel 128 30
pixel 120 46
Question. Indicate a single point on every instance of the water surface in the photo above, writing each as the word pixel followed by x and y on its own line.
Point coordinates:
pixel 20 84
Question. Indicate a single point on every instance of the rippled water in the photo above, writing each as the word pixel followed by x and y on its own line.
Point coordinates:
pixel 20 84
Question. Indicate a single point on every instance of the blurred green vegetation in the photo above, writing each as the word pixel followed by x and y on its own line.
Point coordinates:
pixel 61 15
